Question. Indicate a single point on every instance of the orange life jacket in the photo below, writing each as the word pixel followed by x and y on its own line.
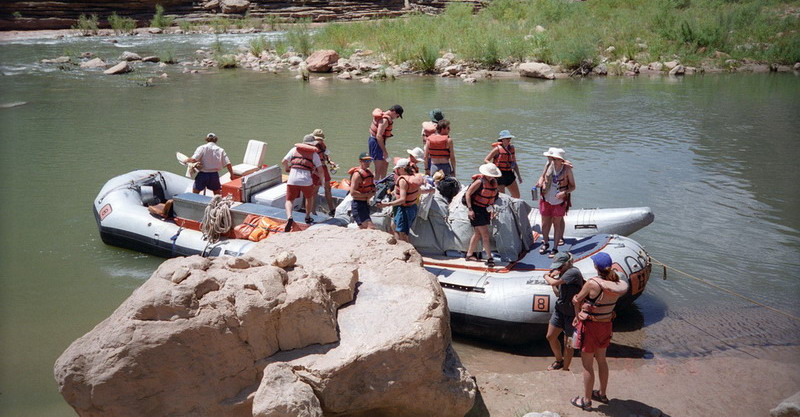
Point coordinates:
pixel 303 157
pixel 428 128
pixel 506 158
pixel 487 192
pixel 367 179
pixel 266 226
pixel 437 146
pixel 414 181
pixel 377 116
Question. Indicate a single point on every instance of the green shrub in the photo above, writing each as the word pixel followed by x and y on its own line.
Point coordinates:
pixel 220 24
pixel 226 61
pixel 160 20
pixel 280 47
pixel 299 38
pixel 258 45
pixel 167 55
pixel 87 25
pixel 273 22
pixel 187 26
pixel 121 25
pixel 426 58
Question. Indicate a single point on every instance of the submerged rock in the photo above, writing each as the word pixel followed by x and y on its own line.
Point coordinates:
pixel 240 336
pixel 120 68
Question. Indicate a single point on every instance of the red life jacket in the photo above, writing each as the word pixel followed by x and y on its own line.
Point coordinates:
pixel 303 157
pixel 506 158
pixel 414 181
pixel 437 146
pixel 367 179
pixel 487 192
pixel 428 128
pixel 377 116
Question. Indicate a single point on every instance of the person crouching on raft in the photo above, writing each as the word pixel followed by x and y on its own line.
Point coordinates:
pixel 407 189
pixel 504 156
pixel 301 163
pixel 481 195
pixel 362 188
pixel 567 281
pixel 556 183
pixel 594 311
pixel 212 158
pixel 379 131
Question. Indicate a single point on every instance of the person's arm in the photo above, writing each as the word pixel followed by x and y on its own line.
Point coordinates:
pixel 551 280
pixel 577 300
pixel 382 140
pixel 470 191
pixel 355 182
pixel 452 156
pixel 570 186
pixel 400 199
pixel 490 158
pixel 427 159
pixel 519 176
pixel 230 170
pixel 540 181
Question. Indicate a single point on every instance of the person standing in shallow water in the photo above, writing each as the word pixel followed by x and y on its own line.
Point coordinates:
pixel 567 281
pixel 379 131
pixel 504 156
pixel 594 308
pixel 211 158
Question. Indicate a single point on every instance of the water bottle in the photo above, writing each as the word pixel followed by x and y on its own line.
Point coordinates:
pixel 534 193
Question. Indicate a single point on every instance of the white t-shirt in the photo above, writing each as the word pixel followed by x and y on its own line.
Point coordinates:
pixel 211 157
pixel 300 177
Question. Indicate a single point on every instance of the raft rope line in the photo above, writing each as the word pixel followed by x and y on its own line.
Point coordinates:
pixel 217 218
pixel 790 315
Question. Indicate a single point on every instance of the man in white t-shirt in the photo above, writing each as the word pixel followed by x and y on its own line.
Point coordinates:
pixel 300 163
pixel 212 159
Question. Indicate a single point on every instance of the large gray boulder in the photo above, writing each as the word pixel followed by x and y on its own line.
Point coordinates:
pixel 234 6
pixel 241 336
pixel 536 70
pixel 94 63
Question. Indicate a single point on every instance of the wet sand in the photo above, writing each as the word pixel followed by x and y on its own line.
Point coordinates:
pixel 708 370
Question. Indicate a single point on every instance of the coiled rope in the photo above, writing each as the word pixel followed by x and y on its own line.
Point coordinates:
pixel 217 218
pixel 790 315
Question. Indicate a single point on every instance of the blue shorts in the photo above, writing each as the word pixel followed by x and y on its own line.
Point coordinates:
pixel 375 150
pixel 404 218
pixel 205 180
pixel 360 211
pixel 562 321
pixel 446 168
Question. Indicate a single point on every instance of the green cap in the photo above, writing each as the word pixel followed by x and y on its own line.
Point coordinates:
pixel 364 157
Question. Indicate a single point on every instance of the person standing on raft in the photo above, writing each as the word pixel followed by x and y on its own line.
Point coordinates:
pixel 324 155
pixel 301 163
pixel 556 183
pixel 379 131
pixel 504 156
pixel 594 311
pixel 211 158
pixel 481 195
pixel 439 151
pixel 362 188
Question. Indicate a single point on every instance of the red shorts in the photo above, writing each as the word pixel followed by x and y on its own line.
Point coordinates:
pixel 293 191
pixel 597 335
pixel 549 210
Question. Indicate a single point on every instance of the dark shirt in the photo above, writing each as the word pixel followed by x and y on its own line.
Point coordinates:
pixel 573 282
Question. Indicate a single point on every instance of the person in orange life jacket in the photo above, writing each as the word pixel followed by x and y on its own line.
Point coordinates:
pixel 594 311
pixel 407 189
pixel 362 188
pixel 481 195
pixel 566 281
pixel 301 162
pixel 415 156
pixel 324 155
pixel 379 131
pixel 212 158
pixel 429 127
pixel 504 157
pixel 439 151
pixel 555 183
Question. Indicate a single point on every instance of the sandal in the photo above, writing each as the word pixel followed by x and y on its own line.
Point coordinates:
pixel 288 227
pixel 581 403
pixel 560 242
pixel 552 253
pixel 490 262
pixel 471 258
pixel 597 397
pixel 556 365
pixel 544 248
pixel 309 220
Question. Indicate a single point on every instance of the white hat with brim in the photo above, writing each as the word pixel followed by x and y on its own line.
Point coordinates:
pixel 310 140
pixel 416 153
pixel 490 170
pixel 402 163
pixel 555 153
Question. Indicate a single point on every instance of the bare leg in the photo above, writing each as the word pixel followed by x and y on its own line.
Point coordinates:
pixel 367 225
pixel 310 203
pixel 473 242
pixel 487 243
pixel 380 169
pixel 588 374
pixel 558 233
pixel 288 205
pixel 513 189
pixel 602 369
pixel 329 197
pixel 547 221
pixel 568 351
pixel 552 337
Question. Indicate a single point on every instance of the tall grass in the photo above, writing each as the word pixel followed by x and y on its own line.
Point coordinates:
pixel 87 25
pixel 579 32
pixel 160 20
pixel 257 45
pixel 299 37
pixel 121 25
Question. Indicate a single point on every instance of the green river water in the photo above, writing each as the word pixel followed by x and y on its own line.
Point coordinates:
pixel 714 156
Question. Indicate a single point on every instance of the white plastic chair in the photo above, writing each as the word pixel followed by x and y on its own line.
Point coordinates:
pixel 253 157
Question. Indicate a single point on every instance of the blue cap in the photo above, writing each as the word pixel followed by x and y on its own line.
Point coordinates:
pixel 505 134
pixel 601 261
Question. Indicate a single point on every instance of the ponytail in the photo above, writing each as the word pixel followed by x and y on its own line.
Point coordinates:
pixel 609 275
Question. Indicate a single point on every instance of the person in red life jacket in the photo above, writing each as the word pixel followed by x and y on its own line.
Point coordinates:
pixel 415 156
pixel 439 151
pixel 362 188
pixel 556 183
pixel 504 156
pixel 212 158
pixel 594 311
pixel 481 195
pixel 379 131
pixel 324 155
pixel 567 281
pixel 301 163
pixel 407 189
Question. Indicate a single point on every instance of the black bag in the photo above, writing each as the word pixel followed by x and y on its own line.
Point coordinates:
pixel 448 188
pixel 384 187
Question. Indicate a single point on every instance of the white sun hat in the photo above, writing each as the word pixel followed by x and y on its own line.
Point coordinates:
pixel 416 153
pixel 490 170
pixel 555 153
pixel 401 163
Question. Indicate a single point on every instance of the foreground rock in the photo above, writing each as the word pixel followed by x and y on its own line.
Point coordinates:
pixel 239 336
pixel 790 407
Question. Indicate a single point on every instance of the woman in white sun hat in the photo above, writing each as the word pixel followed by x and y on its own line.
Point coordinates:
pixel 556 184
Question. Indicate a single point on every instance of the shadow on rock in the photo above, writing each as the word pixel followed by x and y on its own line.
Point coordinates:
pixel 626 408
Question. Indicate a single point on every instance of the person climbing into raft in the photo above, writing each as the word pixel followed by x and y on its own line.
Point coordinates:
pixel 301 162
pixel 504 157
pixel 325 157
pixel 211 158
pixel 379 131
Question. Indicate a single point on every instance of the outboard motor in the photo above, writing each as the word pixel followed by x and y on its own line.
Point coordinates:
pixel 448 188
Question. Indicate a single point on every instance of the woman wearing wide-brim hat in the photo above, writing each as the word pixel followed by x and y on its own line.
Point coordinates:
pixel 480 196
pixel 504 157
pixel 556 183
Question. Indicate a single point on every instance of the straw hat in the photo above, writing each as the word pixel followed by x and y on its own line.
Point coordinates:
pixel 555 153
pixel 490 170
pixel 417 153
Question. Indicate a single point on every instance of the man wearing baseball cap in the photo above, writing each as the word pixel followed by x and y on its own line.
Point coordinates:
pixel 566 281
pixel 362 188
